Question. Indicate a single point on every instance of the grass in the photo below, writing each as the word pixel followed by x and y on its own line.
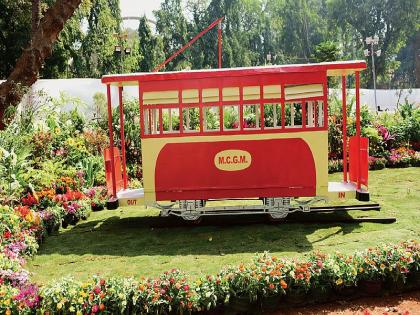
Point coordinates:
pixel 125 243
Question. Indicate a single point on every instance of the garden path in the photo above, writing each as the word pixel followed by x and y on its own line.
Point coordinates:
pixel 401 304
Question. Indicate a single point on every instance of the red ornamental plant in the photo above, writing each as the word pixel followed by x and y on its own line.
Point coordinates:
pixel 29 200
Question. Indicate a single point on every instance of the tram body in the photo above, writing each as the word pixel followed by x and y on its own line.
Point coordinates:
pixel 237 133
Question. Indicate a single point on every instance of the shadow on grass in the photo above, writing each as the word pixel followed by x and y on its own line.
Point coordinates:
pixel 139 236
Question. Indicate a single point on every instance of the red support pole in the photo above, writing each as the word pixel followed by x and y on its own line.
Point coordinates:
pixel 219 32
pixel 262 125
pixel 192 41
pixel 343 90
pixel 111 142
pixel 283 104
pixel 358 125
pixel 122 136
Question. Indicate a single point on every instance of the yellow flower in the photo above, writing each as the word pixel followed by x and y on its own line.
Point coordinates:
pixel 71 309
pixel 361 269
pixel 59 306
pixel 6 302
pixel 339 281
pixel 78 313
pixel 80 300
pixel 8 312
pixel 198 282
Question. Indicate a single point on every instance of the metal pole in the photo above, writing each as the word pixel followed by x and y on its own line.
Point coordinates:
pixel 374 75
pixel 219 31
pixel 111 142
pixel 192 41
pixel 358 127
pixel 122 136
pixel 343 90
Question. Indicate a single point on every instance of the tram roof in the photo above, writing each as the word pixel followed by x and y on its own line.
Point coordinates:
pixel 337 68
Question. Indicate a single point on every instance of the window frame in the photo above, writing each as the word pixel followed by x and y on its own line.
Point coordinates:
pixel 279 124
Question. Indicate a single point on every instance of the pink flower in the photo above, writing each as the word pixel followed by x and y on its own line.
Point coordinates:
pixel 186 287
pixel 95 308
pixel 97 290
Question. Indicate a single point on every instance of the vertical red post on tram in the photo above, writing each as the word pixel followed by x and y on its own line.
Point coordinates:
pixel 111 142
pixel 219 33
pixel 122 136
pixel 344 101
pixel 357 74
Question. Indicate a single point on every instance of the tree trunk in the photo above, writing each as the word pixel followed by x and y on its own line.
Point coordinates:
pixel 36 15
pixel 40 47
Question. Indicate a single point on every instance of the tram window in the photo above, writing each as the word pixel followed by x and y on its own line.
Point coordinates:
pixel 231 117
pixel 293 115
pixel 320 114
pixel 151 121
pixel 310 114
pixel 211 119
pixel 272 115
pixel 170 120
pixel 191 119
pixel 251 116
pixel 314 114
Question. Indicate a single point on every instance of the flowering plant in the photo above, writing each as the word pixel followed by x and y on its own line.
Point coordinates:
pixel 376 163
pixel 170 292
pixel 400 157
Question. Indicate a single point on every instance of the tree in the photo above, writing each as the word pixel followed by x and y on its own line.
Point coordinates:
pixel 326 51
pixel 392 21
pixel 150 47
pixel 25 73
pixel 172 26
pixel 15 25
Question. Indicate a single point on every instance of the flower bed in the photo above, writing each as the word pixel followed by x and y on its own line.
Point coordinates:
pixel 267 279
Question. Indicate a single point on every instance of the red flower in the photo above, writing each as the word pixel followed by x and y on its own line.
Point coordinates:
pixel 186 287
pixel 7 234
pixel 102 282
pixel 97 290
pixel 95 308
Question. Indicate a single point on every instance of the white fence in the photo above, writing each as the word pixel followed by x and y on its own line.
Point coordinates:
pixel 85 89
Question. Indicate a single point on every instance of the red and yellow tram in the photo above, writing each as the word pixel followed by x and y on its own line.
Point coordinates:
pixel 245 133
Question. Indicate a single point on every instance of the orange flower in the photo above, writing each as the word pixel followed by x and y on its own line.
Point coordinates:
pixel 271 286
pixel 283 284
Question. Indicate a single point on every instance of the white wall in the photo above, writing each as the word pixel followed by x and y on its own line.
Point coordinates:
pixel 86 88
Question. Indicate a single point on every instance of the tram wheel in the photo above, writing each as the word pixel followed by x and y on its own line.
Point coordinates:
pixel 192 217
pixel 278 216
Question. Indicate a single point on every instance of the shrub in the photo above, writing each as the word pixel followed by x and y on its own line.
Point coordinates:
pixel 335 166
pixel 377 163
pixel 400 157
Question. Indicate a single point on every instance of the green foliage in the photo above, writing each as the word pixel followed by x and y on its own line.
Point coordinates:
pixel 360 19
pixel 150 47
pixel 13 166
pixel 326 51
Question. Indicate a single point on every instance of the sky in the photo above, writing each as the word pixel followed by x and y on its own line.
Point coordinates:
pixel 138 8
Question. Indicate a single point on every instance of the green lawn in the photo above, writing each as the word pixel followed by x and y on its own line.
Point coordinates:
pixel 125 243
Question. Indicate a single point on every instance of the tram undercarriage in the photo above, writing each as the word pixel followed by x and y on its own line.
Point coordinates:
pixel 275 208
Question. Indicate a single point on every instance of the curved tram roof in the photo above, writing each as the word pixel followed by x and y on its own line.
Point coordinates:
pixel 337 68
